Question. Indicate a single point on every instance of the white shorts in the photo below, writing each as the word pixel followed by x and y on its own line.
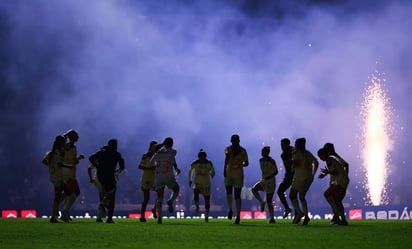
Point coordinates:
pixel 165 180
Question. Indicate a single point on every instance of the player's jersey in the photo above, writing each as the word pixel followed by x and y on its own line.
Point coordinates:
pixel 338 174
pixel 148 174
pixel 105 162
pixel 55 169
pixel 164 160
pixel 287 161
pixel 234 167
pixel 302 165
pixel 200 173
pixel 70 163
pixel 268 167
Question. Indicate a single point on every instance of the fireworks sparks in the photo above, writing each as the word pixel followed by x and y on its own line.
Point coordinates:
pixel 376 139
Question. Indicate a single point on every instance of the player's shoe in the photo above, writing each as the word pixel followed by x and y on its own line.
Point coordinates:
pixel 53 220
pixel 65 216
pixel 237 221
pixel 170 206
pixel 297 218
pixel 99 220
pixel 272 221
pixel 306 221
pixel 159 220
pixel 335 220
pixel 343 223
pixel 230 215
pixel 262 206
pixel 142 219
pixel 287 212
pixel 110 221
pixel 154 213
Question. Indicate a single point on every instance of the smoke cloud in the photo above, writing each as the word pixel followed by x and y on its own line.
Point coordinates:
pixel 198 71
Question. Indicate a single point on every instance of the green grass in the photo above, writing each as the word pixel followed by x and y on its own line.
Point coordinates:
pixel 189 233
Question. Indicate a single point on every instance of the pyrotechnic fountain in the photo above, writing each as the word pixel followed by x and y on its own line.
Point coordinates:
pixel 376 139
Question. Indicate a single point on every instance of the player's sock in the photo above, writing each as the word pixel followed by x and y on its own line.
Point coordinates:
pixel 159 209
pixel 229 204
pixel 262 206
pixel 197 208
pixel 238 208
pixel 271 214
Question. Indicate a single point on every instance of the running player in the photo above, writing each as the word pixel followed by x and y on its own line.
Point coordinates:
pixel 287 180
pixel 305 166
pixel 70 161
pixel 235 159
pixel 147 179
pixel 54 161
pixel 267 183
pixel 105 161
pixel 201 170
pixel 338 184
pixel 164 160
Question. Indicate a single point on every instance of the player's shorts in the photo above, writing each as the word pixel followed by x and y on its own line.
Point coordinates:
pixel 204 189
pixel 336 191
pixel 165 180
pixel 73 186
pixel 236 182
pixel 302 185
pixel 268 186
pixel 147 184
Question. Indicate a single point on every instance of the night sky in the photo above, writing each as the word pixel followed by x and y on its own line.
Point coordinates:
pixel 197 71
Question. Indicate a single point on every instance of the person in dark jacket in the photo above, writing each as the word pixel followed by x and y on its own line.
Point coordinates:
pixel 105 161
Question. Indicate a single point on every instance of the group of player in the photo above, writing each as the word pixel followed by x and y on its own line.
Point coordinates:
pixel 62 161
pixel 160 168
pixel 300 169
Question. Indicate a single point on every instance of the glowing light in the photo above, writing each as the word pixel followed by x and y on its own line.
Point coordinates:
pixel 376 139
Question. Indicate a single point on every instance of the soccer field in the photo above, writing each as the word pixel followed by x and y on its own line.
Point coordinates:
pixel 191 233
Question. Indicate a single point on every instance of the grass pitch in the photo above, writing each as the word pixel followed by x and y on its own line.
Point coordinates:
pixel 195 233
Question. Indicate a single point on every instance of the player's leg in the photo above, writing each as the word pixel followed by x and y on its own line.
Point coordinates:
pixel 175 188
pixel 101 212
pixel 207 206
pixel 229 200
pixel 55 206
pixel 154 212
pixel 339 195
pixel 255 190
pixel 293 195
pixel 238 203
pixel 302 199
pixel 146 198
pixel 284 185
pixel 269 198
pixel 111 196
pixel 159 203
pixel 196 193
pixel 330 198
pixel 72 190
